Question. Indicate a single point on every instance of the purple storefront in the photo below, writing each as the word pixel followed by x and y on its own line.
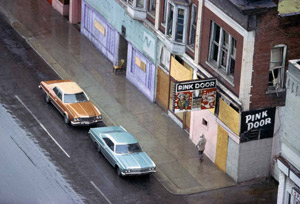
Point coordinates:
pixel 122 39
pixel 99 32
pixel 141 72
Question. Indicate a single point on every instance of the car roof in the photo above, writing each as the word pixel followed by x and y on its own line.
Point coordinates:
pixel 122 137
pixel 69 87
pixel 117 133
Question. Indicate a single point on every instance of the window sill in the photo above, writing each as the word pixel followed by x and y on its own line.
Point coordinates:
pixel 272 90
pixel 151 15
pixel 190 48
pixel 218 71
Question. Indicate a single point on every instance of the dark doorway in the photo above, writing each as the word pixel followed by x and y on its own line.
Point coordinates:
pixel 123 46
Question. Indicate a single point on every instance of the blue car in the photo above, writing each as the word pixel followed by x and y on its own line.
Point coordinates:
pixel 122 150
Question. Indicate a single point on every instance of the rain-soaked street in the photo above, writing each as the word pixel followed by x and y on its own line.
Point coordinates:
pixel 43 160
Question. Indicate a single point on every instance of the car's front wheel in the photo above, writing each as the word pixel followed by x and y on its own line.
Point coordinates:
pixel 66 119
pixel 119 171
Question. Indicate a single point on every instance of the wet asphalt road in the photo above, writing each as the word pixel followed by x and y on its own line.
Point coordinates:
pixel 87 172
pixel 90 175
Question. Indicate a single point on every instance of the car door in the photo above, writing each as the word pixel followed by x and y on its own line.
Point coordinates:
pixel 57 99
pixel 109 151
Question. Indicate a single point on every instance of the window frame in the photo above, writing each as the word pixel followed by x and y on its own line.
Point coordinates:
pixel 213 44
pixel 281 67
pixel 150 9
pixel 174 22
pixel 194 13
pixel 165 13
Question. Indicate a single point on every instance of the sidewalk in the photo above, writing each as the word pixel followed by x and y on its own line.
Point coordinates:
pixel 72 56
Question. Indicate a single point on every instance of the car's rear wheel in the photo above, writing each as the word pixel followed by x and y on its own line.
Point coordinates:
pixel 98 147
pixel 66 119
pixel 47 98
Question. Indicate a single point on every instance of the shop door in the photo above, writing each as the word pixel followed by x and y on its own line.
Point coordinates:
pixel 162 92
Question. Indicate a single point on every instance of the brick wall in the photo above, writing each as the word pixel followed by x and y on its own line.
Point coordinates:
pixel 209 16
pixel 272 30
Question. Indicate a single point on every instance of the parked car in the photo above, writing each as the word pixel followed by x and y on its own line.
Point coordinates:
pixel 71 101
pixel 122 150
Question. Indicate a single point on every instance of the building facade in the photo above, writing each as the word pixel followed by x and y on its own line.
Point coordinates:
pixel 113 31
pixel 70 8
pixel 289 159
pixel 243 44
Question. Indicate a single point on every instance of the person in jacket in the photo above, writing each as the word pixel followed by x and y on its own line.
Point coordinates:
pixel 201 146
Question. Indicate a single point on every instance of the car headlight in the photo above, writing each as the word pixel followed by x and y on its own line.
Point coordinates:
pixel 98 117
pixel 76 119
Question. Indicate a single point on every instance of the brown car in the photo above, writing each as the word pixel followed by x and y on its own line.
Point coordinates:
pixel 71 101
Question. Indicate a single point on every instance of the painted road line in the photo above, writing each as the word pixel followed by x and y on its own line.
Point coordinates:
pixel 42 126
pixel 100 191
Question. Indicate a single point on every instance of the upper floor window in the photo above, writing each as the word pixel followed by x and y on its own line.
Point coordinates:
pixel 277 64
pixel 140 4
pixel 151 7
pixel 130 2
pixel 165 11
pixel 137 3
pixel 193 22
pixel 222 50
pixel 176 22
pixel 137 9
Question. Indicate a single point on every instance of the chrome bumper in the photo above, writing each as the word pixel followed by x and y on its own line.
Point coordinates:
pixel 85 123
pixel 137 173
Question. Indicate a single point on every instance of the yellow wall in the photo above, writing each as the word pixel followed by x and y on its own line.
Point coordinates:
pixel 222 146
pixel 229 116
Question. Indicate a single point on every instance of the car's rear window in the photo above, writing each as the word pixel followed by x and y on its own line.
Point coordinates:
pixel 128 148
pixel 75 98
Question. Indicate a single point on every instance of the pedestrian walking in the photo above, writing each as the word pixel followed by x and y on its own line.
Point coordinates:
pixel 201 146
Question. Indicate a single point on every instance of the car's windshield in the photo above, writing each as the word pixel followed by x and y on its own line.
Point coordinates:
pixel 75 98
pixel 128 148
